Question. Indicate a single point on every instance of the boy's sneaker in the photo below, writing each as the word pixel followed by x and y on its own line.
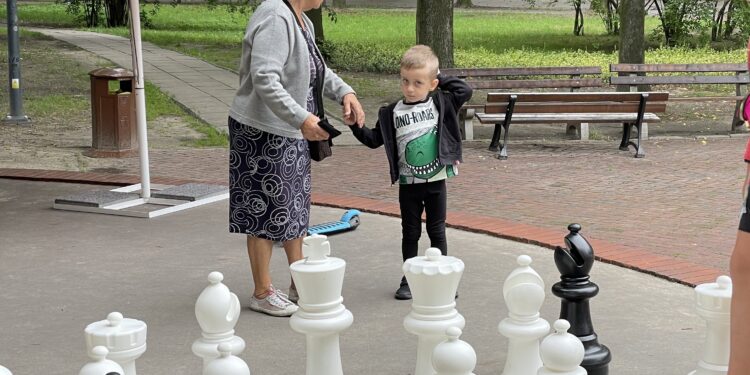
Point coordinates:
pixel 273 304
pixel 403 292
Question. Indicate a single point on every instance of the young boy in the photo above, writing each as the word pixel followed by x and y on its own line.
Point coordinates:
pixel 423 144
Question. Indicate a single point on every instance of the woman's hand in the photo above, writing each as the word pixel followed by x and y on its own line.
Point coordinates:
pixel 310 129
pixel 353 112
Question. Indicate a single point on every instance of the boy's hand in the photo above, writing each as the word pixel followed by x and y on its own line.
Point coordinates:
pixel 310 129
pixel 353 112
pixel 456 163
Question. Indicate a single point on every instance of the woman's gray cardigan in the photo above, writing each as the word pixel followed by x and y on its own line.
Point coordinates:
pixel 275 73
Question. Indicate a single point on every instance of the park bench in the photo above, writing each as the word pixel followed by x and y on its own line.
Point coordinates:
pixel 570 78
pixel 632 110
pixel 633 75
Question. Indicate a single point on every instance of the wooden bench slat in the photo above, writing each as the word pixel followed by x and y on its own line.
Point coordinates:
pixel 677 80
pixel 676 68
pixel 538 71
pixel 496 97
pixel 706 98
pixel 532 118
pixel 535 83
pixel 593 107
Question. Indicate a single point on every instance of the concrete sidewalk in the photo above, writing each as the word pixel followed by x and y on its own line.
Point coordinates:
pixel 63 270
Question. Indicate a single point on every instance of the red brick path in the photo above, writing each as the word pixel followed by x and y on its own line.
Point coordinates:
pixel 672 214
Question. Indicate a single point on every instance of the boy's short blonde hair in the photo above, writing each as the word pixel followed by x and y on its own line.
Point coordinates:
pixel 420 56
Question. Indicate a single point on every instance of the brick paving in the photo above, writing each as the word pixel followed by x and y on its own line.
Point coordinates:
pixel 672 214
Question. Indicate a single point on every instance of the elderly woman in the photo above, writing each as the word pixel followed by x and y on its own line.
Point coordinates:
pixel 273 116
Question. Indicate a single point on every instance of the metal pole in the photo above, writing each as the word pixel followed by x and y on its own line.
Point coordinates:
pixel 16 115
pixel 140 96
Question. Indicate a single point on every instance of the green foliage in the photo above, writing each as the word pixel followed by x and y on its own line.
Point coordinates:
pixel 682 19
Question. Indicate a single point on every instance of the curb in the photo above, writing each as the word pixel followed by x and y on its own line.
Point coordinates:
pixel 671 269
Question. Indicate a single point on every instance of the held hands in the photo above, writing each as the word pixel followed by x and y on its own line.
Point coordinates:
pixel 311 131
pixel 353 112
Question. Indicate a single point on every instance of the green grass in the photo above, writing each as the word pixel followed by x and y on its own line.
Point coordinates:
pixel 373 39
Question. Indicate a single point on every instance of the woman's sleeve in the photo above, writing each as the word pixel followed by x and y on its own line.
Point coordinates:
pixel 334 87
pixel 269 53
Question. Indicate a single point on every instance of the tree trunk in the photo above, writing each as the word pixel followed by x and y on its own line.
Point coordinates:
pixel 632 34
pixel 116 12
pixel 578 26
pixel 435 28
pixel 464 4
pixel 339 3
pixel 316 16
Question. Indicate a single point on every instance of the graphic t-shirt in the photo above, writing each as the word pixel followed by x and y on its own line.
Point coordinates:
pixel 417 141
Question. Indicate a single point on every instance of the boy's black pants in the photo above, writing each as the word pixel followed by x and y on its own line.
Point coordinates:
pixel 430 197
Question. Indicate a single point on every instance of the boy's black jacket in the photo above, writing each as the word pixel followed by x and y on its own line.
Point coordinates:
pixel 451 94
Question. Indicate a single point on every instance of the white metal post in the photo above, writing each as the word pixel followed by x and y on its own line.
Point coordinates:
pixel 140 96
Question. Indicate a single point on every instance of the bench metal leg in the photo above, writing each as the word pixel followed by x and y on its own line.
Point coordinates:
pixel 625 136
pixel 737 123
pixel 496 137
pixel 503 153
pixel 639 151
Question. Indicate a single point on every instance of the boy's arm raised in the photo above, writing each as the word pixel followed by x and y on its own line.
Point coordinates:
pixel 372 138
pixel 455 89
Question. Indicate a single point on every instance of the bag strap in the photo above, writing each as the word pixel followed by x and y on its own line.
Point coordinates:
pixel 320 79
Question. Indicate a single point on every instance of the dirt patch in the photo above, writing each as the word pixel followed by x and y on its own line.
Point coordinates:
pixel 57 99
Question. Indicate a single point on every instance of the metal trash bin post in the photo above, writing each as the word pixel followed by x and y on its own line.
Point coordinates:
pixel 113 132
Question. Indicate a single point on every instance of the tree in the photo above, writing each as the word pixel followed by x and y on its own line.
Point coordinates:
pixel 632 38
pixel 435 28
pixel 316 16
pixel 607 10
pixel 681 18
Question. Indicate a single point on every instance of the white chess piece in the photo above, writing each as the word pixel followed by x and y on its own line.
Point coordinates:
pixel 561 352
pixel 124 338
pixel 713 302
pixel 523 292
pixel 217 310
pixel 100 364
pixel 4 371
pixel 226 364
pixel 454 356
pixel 321 315
pixel 433 280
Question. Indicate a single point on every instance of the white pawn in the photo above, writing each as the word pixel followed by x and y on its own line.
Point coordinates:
pixel 124 338
pixel 4 371
pixel 713 304
pixel 321 316
pixel 226 364
pixel 523 292
pixel 101 365
pixel 217 310
pixel 454 356
pixel 561 352
pixel 433 280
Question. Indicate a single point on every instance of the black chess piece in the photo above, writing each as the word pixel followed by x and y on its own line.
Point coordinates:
pixel 575 289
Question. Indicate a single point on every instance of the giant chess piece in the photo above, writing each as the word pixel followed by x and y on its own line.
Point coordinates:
pixel 575 290
pixel 713 302
pixel 4 371
pixel 454 356
pixel 433 280
pixel 321 315
pixel 124 338
pixel 226 364
pixel 523 292
pixel 217 310
pixel 100 364
pixel 561 352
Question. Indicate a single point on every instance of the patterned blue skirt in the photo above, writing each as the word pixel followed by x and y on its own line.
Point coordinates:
pixel 269 184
